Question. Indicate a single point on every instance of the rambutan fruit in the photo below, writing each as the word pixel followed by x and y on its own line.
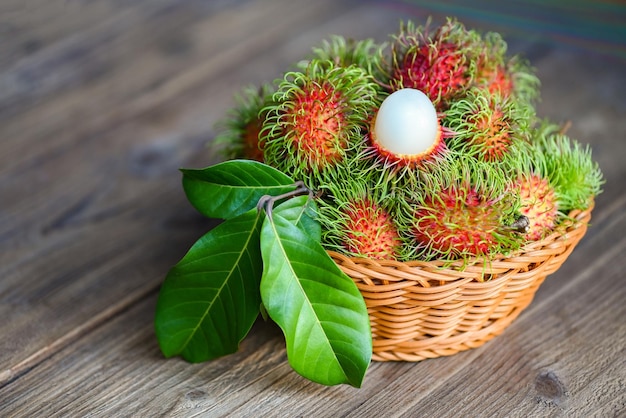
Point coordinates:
pixel 538 202
pixel 356 221
pixel 317 117
pixel 499 74
pixel 463 209
pixel 568 166
pixel 342 52
pixel 239 136
pixel 488 125
pixel 439 64
pixel 406 131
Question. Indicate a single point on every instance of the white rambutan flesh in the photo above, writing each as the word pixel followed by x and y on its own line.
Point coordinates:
pixel 406 123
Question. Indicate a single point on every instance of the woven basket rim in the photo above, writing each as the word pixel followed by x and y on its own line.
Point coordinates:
pixel 475 267
pixel 425 309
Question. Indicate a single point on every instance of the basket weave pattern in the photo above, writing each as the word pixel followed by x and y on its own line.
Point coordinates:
pixel 422 310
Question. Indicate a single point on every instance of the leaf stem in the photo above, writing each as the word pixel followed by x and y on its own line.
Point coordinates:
pixel 266 202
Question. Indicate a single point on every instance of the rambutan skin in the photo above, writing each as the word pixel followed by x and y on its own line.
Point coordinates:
pixel 538 202
pixel 238 135
pixel 369 231
pixel 355 211
pixel 458 223
pixel 411 161
pixel 317 118
pixel 316 122
pixel 568 165
pixel 439 64
pixel 506 76
pixel 252 147
pixel 439 72
pixel 459 208
pixel 488 126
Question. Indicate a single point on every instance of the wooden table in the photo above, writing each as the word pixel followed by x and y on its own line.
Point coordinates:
pixel 101 102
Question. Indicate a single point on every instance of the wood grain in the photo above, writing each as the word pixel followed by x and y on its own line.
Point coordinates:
pixel 100 104
pixel 97 214
pixel 119 371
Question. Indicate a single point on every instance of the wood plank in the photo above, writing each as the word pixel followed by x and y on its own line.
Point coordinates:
pixel 125 67
pixel 92 216
pixel 37 24
pixel 562 356
pixel 98 233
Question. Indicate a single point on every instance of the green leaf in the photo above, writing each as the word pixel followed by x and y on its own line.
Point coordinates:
pixel 301 211
pixel 318 307
pixel 228 189
pixel 210 299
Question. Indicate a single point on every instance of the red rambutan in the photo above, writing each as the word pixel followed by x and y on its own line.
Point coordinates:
pixel 316 121
pixel 252 147
pixel 240 132
pixel 369 231
pixel 356 218
pixel 538 202
pixel 499 74
pixel 462 208
pixel 497 81
pixel 317 117
pixel 458 222
pixel 487 126
pixel 438 65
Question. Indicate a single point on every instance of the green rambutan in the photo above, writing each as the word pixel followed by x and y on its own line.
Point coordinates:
pixel 438 64
pixel 342 52
pixel 464 208
pixel 488 126
pixel 239 136
pixel 317 117
pixel 569 166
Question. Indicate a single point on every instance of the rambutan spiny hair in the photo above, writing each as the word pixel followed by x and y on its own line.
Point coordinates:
pixel 499 74
pixel 317 118
pixel 567 165
pixel 489 126
pixel 440 64
pixel 463 209
pixel 239 131
pixel 342 52
pixel 538 203
pixel 356 218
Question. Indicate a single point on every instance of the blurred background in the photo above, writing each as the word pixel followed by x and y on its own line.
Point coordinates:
pixel 582 25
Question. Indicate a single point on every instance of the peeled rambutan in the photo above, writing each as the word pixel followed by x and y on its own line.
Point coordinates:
pixel 538 202
pixel 239 136
pixel 406 131
pixel 438 64
pixel 316 118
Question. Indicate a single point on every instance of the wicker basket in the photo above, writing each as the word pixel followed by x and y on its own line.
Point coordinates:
pixel 422 310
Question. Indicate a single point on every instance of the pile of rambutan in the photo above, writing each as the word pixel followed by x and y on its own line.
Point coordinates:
pixel 425 147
